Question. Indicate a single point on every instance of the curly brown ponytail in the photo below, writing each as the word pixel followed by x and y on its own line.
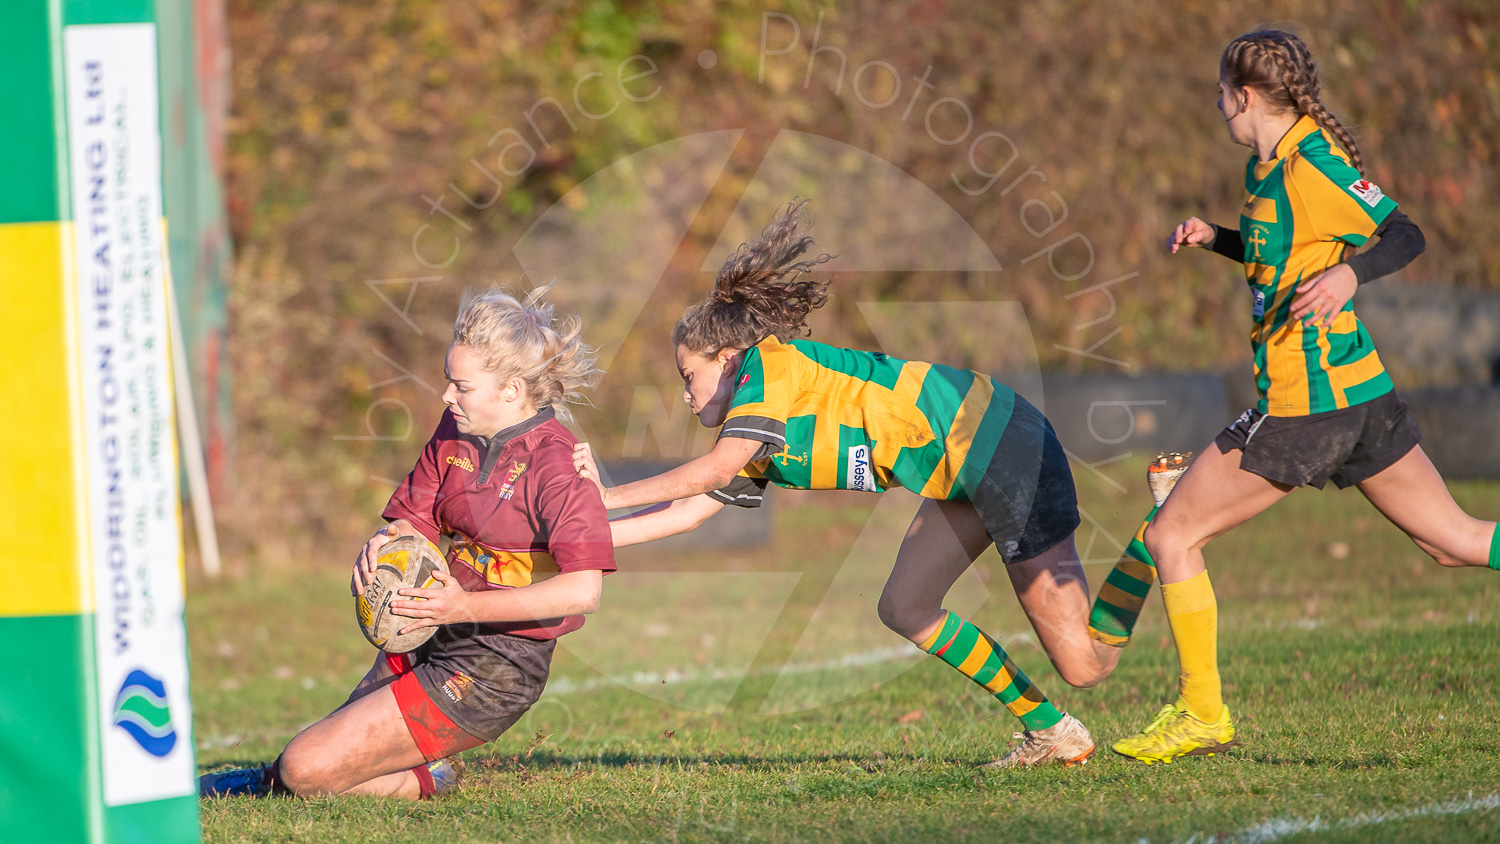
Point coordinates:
pixel 759 291
pixel 1278 65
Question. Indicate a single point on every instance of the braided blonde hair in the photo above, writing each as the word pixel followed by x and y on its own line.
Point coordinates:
pixel 1278 65
pixel 521 339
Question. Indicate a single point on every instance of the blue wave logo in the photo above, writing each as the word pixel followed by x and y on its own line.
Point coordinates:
pixel 141 710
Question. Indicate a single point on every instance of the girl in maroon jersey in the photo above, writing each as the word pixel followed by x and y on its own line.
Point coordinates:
pixel 530 545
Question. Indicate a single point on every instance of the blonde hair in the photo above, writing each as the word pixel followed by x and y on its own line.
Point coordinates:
pixel 520 338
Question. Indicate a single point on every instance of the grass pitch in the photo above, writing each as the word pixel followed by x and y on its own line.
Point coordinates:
pixel 753 695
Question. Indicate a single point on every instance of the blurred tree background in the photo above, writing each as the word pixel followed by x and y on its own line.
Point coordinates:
pixel 349 118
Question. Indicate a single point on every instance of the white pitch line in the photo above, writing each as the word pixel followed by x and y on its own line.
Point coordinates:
pixel 650 679
pixel 1274 829
pixel 653 678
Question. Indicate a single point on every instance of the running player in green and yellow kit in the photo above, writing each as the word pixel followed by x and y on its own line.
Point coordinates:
pixel 1328 410
pixel 806 415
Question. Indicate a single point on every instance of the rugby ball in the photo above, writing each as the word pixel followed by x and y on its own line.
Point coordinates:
pixel 404 561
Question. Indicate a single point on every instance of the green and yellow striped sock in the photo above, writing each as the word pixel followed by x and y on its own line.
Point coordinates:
pixel 1124 591
pixel 1495 549
pixel 981 659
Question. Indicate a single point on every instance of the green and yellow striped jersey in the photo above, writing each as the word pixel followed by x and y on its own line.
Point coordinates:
pixel 836 418
pixel 1303 211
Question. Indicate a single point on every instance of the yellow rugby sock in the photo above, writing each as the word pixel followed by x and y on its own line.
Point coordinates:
pixel 1194 616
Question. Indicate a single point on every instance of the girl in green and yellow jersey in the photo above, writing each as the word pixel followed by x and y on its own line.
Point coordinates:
pixel 806 415
pixel 1328 410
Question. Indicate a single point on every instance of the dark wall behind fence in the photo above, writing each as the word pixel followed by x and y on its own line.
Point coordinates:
pixel 1449 336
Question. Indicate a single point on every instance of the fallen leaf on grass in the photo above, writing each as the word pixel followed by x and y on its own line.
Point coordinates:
pixel 536 741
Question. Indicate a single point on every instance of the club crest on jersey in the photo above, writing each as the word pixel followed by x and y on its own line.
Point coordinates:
pixel 786 456
pixel 1258 238
pixel 1368 191
pixel 861 474
pixel 508 488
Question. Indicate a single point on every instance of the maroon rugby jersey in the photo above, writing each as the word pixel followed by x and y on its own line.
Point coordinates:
pixel 513 506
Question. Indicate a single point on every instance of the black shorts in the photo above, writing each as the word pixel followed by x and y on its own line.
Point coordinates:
pixel 1026 497
pixel 1347 446
pixel 483 682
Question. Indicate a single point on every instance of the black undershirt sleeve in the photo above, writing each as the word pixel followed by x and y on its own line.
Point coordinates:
pixel 1400 243
pixel 743 491
pixel 1227 242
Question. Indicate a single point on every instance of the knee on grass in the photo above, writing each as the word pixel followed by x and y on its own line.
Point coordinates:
pixel 304 775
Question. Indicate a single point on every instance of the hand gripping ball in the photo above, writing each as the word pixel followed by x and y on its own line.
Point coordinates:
pixel 403 562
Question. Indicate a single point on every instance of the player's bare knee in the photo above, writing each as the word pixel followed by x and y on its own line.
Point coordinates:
pixel 294 777
pixel 1164 537
pixel 899 617
pixel 889 611
pixel 1156 538
pixel 1106 659
pixel 1440 554
pixel 1083 672
pixel 301 773
pixel 1445 559
pixel 1080 677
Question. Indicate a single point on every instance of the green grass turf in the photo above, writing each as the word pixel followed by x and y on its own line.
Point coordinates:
pixel 1362 677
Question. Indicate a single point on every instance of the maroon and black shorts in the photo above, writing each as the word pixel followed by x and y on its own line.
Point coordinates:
pixel 462 689
pixel 1347 446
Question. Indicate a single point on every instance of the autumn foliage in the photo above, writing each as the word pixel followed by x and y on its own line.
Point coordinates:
pixel 349 119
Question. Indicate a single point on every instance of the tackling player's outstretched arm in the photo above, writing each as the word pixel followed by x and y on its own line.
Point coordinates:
pixel 663 520
pixel 707 473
